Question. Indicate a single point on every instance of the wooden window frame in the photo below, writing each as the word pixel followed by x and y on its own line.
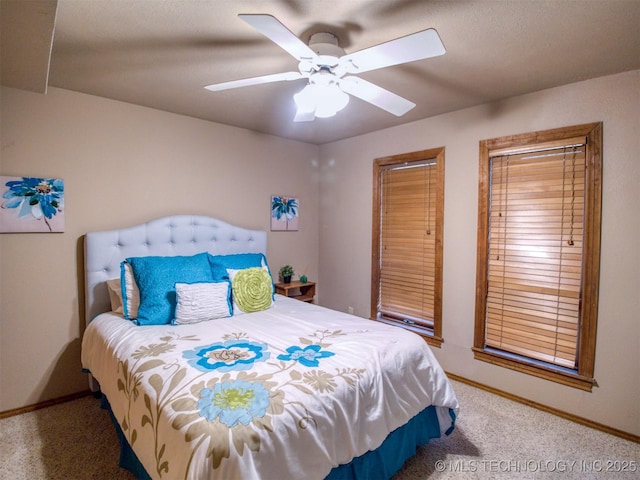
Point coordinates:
pixel 432 336
pixel 583 376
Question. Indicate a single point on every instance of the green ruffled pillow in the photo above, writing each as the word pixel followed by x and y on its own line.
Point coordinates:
pixel 252 289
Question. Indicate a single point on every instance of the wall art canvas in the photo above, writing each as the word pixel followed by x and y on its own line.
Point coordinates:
pixel 31 204
pixel 284 213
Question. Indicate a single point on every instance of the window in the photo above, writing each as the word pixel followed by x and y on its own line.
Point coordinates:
pixel 408 199
pixel 538 253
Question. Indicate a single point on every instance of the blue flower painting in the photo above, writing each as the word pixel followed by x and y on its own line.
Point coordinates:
pixel 31 204
pixel 284 213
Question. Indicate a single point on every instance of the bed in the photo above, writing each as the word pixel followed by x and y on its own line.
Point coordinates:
pixel 216 377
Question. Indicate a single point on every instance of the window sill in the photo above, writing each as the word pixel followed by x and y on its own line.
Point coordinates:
pixel 520 364
pixel 425 333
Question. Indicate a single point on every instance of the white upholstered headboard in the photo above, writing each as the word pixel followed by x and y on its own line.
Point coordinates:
pixel 168 236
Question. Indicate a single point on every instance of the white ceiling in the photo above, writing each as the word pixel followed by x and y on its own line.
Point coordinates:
pixel 161 53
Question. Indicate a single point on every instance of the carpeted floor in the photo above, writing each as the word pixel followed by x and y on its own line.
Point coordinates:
pixel 494 438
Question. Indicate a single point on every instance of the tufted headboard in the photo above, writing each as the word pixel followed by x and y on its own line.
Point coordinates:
pixel 168 236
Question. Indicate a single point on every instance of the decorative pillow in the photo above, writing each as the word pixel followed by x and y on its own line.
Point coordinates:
pixel 129 292
pixel 239 261
pixel 252 289
pixel 115 295
pixel 156 278
pixel 199 302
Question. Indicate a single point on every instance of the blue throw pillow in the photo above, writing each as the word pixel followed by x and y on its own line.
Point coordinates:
pixel 156 278
pixel 239 261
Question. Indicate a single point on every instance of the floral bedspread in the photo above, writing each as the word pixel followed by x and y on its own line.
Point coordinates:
pixel 286 393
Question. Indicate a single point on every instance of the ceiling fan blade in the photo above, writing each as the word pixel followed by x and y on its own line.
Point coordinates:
pixel 246 82
pixel 376 95
pixel 417 46
pixel 275 31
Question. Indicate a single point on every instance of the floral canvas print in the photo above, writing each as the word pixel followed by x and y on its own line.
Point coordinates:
pixel 31 204
pixel 284 213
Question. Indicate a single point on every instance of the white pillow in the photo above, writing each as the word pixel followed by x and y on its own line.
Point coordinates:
pixel 115 295
pixel 129 292
pixel 199 302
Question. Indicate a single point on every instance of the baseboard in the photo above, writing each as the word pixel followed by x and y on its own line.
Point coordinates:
pixel 560 413
pixel 46 403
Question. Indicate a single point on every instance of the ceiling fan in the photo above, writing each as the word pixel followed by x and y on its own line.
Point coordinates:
pixel 326 66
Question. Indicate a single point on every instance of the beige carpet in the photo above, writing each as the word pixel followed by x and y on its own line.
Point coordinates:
pixel 494 438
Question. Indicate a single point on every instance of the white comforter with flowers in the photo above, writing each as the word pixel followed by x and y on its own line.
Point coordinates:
pixel 286 393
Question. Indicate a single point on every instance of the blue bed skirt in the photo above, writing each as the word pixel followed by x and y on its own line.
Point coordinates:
pixel 383 462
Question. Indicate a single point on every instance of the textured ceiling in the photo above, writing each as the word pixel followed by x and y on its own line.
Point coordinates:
pixel 161 54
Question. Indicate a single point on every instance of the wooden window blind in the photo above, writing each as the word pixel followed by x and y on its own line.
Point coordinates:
pixel 535 253
pixel 537 272
pixel 407 277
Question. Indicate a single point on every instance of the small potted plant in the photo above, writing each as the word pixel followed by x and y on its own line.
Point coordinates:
pixel 286 273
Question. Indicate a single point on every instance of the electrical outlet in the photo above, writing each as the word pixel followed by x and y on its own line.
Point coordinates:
pixel 350 310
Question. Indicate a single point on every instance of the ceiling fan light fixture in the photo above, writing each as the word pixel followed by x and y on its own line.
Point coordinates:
pixel 330 100
pixel 305 100
pixel 324 100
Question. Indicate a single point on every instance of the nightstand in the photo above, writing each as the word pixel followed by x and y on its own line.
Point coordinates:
pixel 298 290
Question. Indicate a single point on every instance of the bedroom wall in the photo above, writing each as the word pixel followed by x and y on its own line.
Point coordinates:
pixel 122 165
pixel 345 233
